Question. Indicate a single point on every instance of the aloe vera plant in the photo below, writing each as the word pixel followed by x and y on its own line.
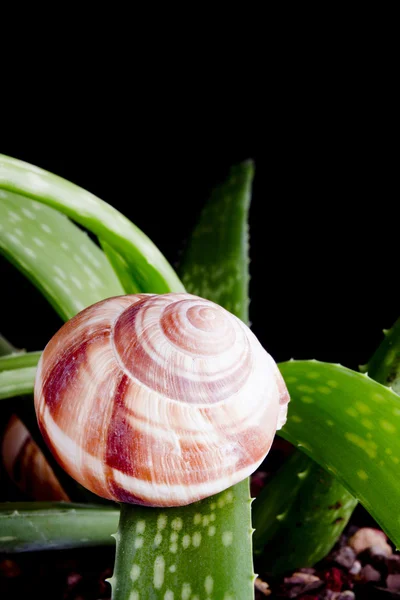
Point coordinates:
pixel 203 550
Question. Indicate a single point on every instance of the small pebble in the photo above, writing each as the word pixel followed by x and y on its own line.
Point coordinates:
pixel 307 570
pixel 301 583
pixel 347 595
pixel 344 557
pixel 368 573
pixel 305 576
pixel 356 568
pixel 393 582
pixel 262 586
pixel 366 537
pixel 381 550
pixel 335 579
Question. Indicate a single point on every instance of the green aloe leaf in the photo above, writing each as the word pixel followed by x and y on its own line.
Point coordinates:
pixel 202 550
pixel 384 366
pixel 6 347
pixel 215 265
pixel 59 258
pixel 32 526
pixel 121 268
pixel 350 425
pixel 19 360
pixel 17 382
pixel 145 262
pixel 307 545
pixel 17 374
pixel 303 512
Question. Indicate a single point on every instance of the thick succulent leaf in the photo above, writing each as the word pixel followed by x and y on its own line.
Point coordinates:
pixel 186 552
pixel 145 262
pixel 121 268
pixel 202 550
pixel 17 382
pixel 32 526
pixel 350 425
pixel 215 265
pixel 384 366
pixel 19 360
pixel 6 347
pixel 59 258
pixel 17 374
pixel 305 546
pixel 303 511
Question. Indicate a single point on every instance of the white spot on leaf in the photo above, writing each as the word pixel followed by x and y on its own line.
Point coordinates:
pixel 312 375
pixel 196 539
pixel 186 591
pixel 159 569
pixel 387 426
pixel 209 585
pixel 28 214
pixel 30 252
pixel 177 524
pixel 135 572
pixel 140 526
pixel 76 281
pixel 162 522
pixel 13 216
pixel 59 271
pixel 186 541
pixel 332 383
pixel 307 399
pixel 173 548
pixel 227 538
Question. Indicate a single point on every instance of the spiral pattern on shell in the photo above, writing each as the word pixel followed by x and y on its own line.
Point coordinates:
pixel 158 400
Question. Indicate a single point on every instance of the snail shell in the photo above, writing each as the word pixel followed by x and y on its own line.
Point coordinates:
pixel 26 465
pixel 158 400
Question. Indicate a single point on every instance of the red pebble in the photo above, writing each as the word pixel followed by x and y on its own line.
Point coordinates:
pixel 335 579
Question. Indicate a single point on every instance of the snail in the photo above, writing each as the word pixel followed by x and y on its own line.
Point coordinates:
pixel 26 465
pixel 159 400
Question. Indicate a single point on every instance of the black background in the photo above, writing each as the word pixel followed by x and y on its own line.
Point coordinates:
pixel 324 218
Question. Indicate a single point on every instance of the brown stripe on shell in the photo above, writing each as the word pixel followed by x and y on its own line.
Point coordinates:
pixel 178 460
pixel 62 377
pixel 120 494
pixel 118 454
